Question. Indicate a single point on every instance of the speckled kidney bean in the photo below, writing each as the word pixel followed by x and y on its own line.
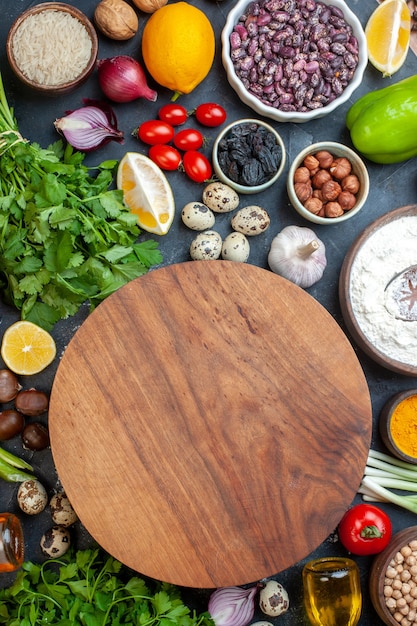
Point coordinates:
pixel 294 55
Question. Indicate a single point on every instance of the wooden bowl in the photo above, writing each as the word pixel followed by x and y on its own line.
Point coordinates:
pixel 379 568
pixel 54 87
pixel 385 425
pixel 366 292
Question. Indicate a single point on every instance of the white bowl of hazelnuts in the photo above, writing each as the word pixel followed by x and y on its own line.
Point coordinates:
pixel 327 183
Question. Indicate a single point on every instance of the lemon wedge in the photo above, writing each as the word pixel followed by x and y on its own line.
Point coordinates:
pixel 147 192
pixel 388 36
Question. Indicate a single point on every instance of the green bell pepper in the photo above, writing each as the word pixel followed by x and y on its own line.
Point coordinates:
pixel 383 123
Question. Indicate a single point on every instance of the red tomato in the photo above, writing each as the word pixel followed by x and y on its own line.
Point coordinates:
pixel 155 131
pixel 188 139
pixel 167 157
pixel 365 529
pixel 210 114
pixel 173 114
pixel 196 166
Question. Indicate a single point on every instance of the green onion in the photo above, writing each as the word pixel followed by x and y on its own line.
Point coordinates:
pixel 382 474
pixel 12 468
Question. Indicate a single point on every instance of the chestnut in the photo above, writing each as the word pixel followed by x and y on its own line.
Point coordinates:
pixel 9 385
pixel 35 436
pixel 32 402
pixel 11 424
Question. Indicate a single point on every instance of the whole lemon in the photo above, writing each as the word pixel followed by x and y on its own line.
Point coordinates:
pixel 178 46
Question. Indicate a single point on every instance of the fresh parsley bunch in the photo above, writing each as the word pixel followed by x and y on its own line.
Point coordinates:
pixel 66 236
pixel 91 588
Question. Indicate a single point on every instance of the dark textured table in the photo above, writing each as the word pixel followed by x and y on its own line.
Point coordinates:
pixel 391 186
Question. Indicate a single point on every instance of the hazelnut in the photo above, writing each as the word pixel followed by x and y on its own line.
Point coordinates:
pixel 333 209
pixel 321 177
pixel 311 163
pixel 351 183
pixel 303 191
pixel 324 158
pixel 347 200
pixel 330 190
pixel 314 205
pixel 340 168
pixel 116 19
pixel 302 175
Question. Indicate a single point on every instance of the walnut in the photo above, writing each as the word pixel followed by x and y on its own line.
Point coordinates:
pixel 341 168
pixel 347 200
pixel 351 183
pixel 303 191
pixel 301 175
pixel 116 19
pixel 324 158
pixel 333 209
pixel 330 190
pixel 321 177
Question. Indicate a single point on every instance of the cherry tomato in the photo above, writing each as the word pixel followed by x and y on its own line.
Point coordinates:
pixel 155 131
pixel 167 157
pixel 173 114
pixel 365 529
pixel 196 166
pixel 210 114
pixel 188 139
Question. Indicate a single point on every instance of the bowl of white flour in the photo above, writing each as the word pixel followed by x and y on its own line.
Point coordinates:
pixel 378 290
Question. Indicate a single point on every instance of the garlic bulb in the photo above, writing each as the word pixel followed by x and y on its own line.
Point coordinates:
pixel 298 255
pixel 149 6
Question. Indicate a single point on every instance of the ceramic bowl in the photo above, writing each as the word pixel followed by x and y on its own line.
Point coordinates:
pixel 293 116
pixel 358 168
pixel 377 257
pixel 385 421
pixel 244 189
pixel 378 569
pixel 63 87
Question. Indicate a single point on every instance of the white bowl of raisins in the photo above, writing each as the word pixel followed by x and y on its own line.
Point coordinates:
pixel 327 183
pixel 248 155
pixel 293 60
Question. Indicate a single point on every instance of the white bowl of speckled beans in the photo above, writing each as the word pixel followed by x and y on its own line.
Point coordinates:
pixel 293 60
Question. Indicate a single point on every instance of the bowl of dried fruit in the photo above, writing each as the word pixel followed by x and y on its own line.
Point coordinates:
pixel 327 183
pixel 248 155
pixel 293 73
pixel 52 48
pixel 393 579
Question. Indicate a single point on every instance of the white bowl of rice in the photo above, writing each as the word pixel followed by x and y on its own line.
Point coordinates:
pixel 52 48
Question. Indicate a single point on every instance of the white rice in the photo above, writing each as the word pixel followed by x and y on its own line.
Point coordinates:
pixel 51 47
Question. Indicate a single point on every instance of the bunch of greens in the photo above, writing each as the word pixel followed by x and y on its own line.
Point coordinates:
pixel 66 236
pixel 91 588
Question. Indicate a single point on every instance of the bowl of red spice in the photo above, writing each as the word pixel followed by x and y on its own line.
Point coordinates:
pixel 52 48
pixel 398 425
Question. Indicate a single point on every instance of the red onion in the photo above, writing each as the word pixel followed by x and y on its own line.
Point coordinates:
pixel 232 606
pixel 90 127
pixel 122 79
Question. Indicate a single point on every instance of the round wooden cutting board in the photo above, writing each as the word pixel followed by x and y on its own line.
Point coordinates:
pixel 210 423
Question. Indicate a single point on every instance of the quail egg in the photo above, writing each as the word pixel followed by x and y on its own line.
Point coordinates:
pixel 206 246
pixel 251 220
pixel 62 512
pixel 220 198
pixel 197 216
pixel 32 497
pixel 55 541
pixel 273 599
pixel 236 248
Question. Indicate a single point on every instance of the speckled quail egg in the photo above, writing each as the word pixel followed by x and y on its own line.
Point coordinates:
pixel 32 497
pixel 273 599
pixel 55 541
pixel 206 246
pixel 197 216
pixel 62 512
pixel 220 198
pixel 251 220
pixel 236 248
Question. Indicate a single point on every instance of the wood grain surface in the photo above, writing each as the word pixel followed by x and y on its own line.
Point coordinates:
pixel 210 423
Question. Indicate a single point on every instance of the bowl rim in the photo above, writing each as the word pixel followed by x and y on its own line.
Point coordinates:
pixel 344 297
pixel 53 6
pixel 340 150
pixel 237 186
pixel 384 424
pixel 378 568
pixel 293 116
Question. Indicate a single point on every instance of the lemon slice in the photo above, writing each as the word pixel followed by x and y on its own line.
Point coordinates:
pixel 147 192
pixel 388 36
pixel 27 348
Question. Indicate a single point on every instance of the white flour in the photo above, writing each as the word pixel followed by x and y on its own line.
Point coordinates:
pixel 386 253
